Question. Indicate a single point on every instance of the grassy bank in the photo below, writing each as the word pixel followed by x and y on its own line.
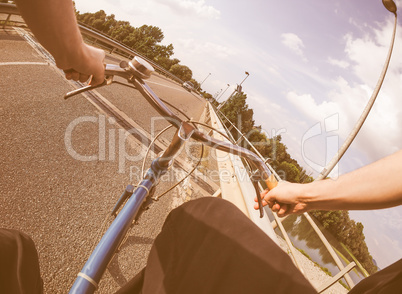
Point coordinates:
pixel 324 269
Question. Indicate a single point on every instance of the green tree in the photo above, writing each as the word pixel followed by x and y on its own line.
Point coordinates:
pixel 237 111
pixel 289 172
pixel 207 95
pixel 181 71
pixel 166 62
pixel 121 31
pixel 99 20
pixel 349 233
pixel 258 139
pixel 110 24
pixel 145 39
pixel 164 51
pixel 195 83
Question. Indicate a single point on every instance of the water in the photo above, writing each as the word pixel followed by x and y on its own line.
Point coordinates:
pixel 304 237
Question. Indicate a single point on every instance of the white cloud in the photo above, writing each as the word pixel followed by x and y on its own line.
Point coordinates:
pixel 307 105
pixel 340 63
pixel 293 42
pixel 382 231
pixel 391 218
pixel 187 7
pixel 380 135
pixel 387 251
pixel 193 47
pixel 273 71
pixel 316 141
pixel 367 56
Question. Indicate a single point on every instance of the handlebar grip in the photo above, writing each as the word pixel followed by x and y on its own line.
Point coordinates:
pixel 271 182
pixel 78 91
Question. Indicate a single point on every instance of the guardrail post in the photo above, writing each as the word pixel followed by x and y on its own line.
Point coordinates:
pixel 239 140
pixel 336 278
pixel 6 21
pixel 236 186
pixel 324 240
pixel 289 243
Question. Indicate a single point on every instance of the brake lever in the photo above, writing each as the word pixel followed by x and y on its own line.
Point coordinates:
pixel 108 80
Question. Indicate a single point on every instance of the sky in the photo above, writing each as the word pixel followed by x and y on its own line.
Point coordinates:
pixel 313 66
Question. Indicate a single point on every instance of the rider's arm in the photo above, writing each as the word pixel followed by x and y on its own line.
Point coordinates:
pixel 374 186
pixel 55 26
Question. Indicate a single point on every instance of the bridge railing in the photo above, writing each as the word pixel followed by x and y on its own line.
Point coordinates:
pixel 10 16
pixel 229 126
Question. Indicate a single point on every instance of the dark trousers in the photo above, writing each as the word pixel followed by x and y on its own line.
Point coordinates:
pixel 386 281
pixel 210 246
pixel 19 264
pixel 206 246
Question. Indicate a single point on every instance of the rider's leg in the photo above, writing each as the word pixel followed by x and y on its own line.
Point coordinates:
pixel 19 264
pixel 134 286
pixel 385 281
pixel 210 246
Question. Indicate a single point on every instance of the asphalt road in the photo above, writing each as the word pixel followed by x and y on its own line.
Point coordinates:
pixel 64 164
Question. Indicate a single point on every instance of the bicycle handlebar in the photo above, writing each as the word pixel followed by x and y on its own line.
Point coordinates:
pixel 135 72
pixel 162 109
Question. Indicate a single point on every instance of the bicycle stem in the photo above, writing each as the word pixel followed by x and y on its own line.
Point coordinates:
pixel 182 135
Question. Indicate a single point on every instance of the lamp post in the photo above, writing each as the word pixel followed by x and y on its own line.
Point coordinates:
pixel 217 93
pixel 204 81
pixel 238 89
pixel 391 7
pixel 247 74
pixel 223 92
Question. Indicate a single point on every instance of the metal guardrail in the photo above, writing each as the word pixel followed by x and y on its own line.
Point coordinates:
pixel 114 45
pixel 9 10
pixel 243 137
pixel 250 172
pixel 277 219
pixel 236 187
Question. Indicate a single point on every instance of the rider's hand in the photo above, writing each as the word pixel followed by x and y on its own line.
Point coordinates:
pixel 286 198
pixel 85 62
